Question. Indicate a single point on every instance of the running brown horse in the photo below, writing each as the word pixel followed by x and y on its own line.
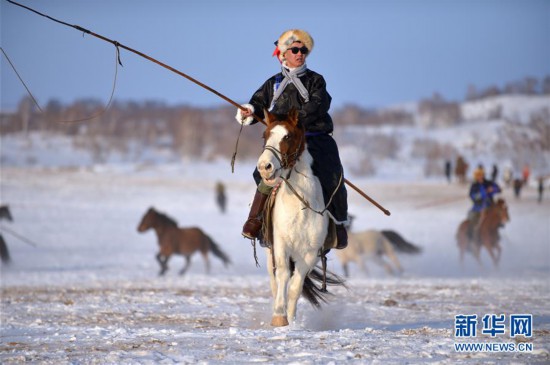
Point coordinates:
pixel 182 241
pixel 496 216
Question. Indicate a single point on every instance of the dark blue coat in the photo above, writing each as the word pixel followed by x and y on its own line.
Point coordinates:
pixel 482 194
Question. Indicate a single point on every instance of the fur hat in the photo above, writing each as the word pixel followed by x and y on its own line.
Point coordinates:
pixel 290 36
pixel 479 173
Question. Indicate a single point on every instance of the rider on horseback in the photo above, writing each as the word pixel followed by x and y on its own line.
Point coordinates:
pixel 297 87
pixel 481 193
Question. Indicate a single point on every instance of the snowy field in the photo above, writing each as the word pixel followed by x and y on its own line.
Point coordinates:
pixel 89 292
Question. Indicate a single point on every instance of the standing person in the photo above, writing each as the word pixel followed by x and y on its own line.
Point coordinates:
pixel 221 199
pixel 448 170
pixel 298 87
pixel 518 184
pixel 481 194
pixel 541 188
pixel 494 173
pixel 525 174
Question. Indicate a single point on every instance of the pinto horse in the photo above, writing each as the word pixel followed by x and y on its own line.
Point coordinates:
pixel 183 241
pixel 496 216
pixel 298 225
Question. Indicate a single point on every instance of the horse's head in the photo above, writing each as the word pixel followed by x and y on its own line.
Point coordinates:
pixel 5 213
pixel 284 143
pixel 147 220
pixel 502 209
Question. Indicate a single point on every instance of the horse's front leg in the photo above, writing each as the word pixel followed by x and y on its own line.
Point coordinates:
pixel 271 273
pixel 493 251
pixel 296 285
pixel 498 251
pixel 476 251
pixel 162 260
pixel 282 277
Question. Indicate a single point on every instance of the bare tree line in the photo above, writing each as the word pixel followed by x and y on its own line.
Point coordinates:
pixel 207 133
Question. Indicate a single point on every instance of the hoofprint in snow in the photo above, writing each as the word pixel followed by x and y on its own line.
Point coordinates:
pixel 89 291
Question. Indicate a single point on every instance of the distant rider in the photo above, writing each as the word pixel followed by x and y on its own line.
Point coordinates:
pixel 481 193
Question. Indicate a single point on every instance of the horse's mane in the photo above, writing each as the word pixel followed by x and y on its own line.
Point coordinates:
pixel 497 205
pixel 166 219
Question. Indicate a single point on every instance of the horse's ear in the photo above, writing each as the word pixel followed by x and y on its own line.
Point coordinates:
pixel 293 117
pixel 269 118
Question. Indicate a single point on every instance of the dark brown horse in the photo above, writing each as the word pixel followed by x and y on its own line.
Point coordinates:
pixel 496 216
pixel 5 213
pixel 182 241
pixel 461 169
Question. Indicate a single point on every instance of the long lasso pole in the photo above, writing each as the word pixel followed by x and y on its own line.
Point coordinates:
pixel 374 202
pixel 230 101
pixel 120 45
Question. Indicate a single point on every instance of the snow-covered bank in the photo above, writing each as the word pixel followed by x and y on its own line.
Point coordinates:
pixel 89 292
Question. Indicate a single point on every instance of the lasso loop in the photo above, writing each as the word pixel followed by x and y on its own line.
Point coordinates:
pixel 117 62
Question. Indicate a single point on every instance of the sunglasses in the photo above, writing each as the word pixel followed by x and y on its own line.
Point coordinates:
pixel 302 49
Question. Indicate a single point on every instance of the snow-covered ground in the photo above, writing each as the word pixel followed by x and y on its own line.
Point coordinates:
pixel 89 293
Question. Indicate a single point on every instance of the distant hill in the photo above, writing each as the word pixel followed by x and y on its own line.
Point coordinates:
pixel 506 130
pixel 410 141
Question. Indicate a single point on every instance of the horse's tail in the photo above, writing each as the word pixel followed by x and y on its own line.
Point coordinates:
pixel 4 253
pixel 314 294
pixel 400 243
pixel 217 251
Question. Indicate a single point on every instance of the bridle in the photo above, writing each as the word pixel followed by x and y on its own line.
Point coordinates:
pixel 287 160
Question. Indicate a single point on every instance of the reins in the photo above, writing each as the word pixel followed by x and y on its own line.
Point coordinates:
pixel 306 203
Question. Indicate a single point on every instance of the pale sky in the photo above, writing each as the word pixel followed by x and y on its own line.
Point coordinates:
pixel 371 53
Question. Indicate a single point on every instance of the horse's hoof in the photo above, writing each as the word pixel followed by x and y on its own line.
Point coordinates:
pixel 279 321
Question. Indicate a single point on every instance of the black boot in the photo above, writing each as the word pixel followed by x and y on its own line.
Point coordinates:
pixel 253 225
pixel 341 237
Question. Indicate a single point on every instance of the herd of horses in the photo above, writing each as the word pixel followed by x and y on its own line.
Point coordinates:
pixel 299 229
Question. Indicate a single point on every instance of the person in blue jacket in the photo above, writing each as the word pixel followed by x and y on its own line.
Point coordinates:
pixel 482 192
